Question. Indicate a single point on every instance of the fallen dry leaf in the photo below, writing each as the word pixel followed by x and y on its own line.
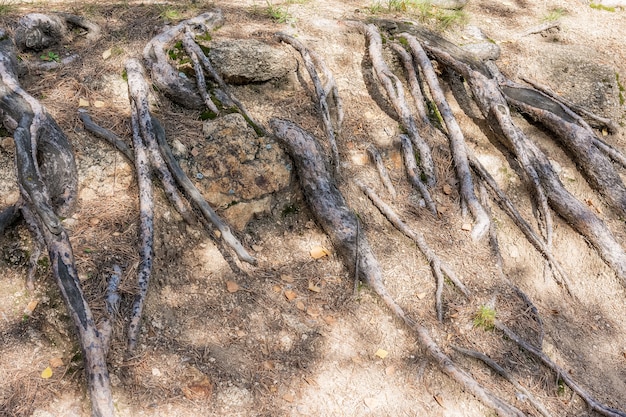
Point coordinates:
pixel 390 370
pixel 421 295
pixel 287 278
pixel 232 286
pixel 83 103
pixel 98 104
pixel 330 320
pixel 277 288
pixel 300 306
pixel 439 399
pixel 56 362
pixel 381 353
pixel 289 397
pixel 313 287
pixel 290 295
pixel 30 307
pixel 447 190
pixel 46 373
pixel 466 227
pixel 106 54
pixel 319 252
pixel 199 390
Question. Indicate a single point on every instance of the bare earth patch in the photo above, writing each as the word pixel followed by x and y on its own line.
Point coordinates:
pixel 293 335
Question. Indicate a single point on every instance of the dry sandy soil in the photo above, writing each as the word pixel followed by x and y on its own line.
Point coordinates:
pixel 254 352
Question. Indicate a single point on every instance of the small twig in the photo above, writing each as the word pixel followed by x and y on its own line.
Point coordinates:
pixel 382 171
pixel 539 28
pixel 504 374
pixel 413 174
pixel 591 402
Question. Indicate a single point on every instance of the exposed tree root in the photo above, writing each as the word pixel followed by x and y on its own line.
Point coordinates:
pixel 382 171
pixel 438 267
pixel 395 92
pixel 509 208
pixel 504 374
pixel 456 139
pixel 192 193
pixel 106 134
pixel 414 85
pixel 227 98
pixel 593 119
pixel 36 31
pixel 48 189
pixel 577 140
pixel 320 91
pixel 536 166
pixel 164 76
pixel 341 224
pixel 197 67
pixel 413 173
pixel 561 373
pixel 146 199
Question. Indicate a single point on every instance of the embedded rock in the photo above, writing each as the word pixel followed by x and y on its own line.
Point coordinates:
pixel 239 171
pixel 245 61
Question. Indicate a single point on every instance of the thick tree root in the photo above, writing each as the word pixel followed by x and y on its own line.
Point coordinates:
pixel 395 92
pixel 146 199
pixel 341 224
pixel 320 92
pixel 575 139
pixel 536 166
pixel 164 76
pixel 48 189
pixel 456 139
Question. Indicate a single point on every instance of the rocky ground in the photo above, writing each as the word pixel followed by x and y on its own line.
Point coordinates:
pixel 294 335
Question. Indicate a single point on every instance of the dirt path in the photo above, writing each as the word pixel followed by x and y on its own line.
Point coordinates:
pixel 294 338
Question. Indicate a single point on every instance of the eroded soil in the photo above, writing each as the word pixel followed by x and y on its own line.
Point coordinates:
pixel 259 351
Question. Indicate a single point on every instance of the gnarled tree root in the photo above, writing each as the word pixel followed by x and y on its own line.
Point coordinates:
pixel 320 91
pixel 341 225
pixel 48 189
pixel 164 76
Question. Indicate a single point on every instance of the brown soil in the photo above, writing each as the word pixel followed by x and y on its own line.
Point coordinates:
pixel 253 352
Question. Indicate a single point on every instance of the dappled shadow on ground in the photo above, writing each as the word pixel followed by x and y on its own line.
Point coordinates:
pixel 295 336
